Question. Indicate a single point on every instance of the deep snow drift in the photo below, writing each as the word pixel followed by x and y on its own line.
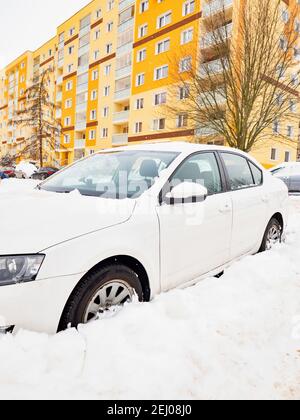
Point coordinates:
pixel 235 337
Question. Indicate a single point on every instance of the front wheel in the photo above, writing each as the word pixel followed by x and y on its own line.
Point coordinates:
pixel 273 235
pixel 113 285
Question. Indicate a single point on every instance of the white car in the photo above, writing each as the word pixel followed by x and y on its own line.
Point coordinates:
pixel 137 220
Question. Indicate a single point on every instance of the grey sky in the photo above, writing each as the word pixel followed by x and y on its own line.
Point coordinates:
pixel 27 24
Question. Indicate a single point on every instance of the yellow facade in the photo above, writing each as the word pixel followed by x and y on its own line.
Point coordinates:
pixel 113 67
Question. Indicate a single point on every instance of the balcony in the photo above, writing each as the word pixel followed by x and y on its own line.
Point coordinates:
pixel 123 72
pixel 206 131
pixel 82 69
pixel 122 95
pixel 79 144
pixel 119 139
pixel 59 97
pixel 84 49
pixel 125 3
pixel 217 37
pixel 85 30
pixel 82 107
pixel 212 68
pixel 124 49
pixel 80 126
pixel 82 88
pixel 121 117
pixel 60 63
pixel 215 7
pixel 126 25
pixel 212 98
pixel 59 80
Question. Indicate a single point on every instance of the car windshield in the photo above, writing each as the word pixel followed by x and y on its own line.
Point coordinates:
pixel 121 174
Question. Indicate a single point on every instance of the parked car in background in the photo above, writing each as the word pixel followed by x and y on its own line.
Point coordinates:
pixel 3 175
pixel 10 172
pixel 25 170
pixel 136 221
pixel 289 173
pixel 44 173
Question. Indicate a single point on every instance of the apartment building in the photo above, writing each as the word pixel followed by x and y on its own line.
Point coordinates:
pixel 112 71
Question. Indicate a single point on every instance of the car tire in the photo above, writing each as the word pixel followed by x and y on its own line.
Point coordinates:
pixel 272 236
pixel 87 296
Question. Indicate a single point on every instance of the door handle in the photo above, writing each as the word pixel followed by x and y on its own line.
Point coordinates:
pixel 225 209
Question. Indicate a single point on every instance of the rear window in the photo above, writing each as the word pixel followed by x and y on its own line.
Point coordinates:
pixel 239 173
pixel 257 174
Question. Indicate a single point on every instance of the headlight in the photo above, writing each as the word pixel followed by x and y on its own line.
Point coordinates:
pixel 19 269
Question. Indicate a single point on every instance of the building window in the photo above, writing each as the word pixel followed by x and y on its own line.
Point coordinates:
pixel 159 124
pixel 185 64
pixel 138 128
pixel 140 103
pixel 140 79
pixel 144 6
pixel 143 30
pixel 141 55
pixel 287 156
pixel 182 120
pixel 188 7
pixel 163 46
pixel 161 72
pixel 92 134
pixel 160 98
pixel 164 20
pixel 187 36
pixel 276 127
pixel 273 154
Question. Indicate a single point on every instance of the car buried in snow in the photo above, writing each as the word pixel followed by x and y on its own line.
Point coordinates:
pixel 133 221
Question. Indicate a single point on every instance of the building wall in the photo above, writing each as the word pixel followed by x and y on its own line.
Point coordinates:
pixel 97 56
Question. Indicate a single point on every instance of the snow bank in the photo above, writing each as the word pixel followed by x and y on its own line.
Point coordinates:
pixel 237 337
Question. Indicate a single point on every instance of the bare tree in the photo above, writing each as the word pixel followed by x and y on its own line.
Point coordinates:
pixel 7 160
pixel 39 116
pixel 243 78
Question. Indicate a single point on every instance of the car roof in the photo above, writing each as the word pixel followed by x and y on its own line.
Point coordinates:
pixel 178 147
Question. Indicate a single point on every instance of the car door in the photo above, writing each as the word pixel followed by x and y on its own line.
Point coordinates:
pixel 249 201
pixel 195 237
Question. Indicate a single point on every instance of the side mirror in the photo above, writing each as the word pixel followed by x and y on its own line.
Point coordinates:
pixel 187 192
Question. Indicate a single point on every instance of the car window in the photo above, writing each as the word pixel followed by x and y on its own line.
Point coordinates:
pixel 257 174
pixel 238 170
pixel 203 169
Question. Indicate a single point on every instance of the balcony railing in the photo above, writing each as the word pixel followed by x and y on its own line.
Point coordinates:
pixel 119 139
pixel 79 144
pixel 122 94
pixel 80 126
pixel 205 131
pixel 81 107
pixel 123 72
pixel 123 4
pixel 217 37
pixel 126 25
pixel 213 67
pixel 59 97
pixel 82 88
pixel 216 6
pixel 121 117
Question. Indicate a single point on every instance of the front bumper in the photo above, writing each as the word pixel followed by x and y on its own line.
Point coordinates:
pixel 36 306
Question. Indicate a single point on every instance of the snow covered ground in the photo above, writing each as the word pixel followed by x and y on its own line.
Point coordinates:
pixel 237 337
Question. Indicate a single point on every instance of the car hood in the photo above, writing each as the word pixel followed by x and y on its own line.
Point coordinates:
pixel 34 221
